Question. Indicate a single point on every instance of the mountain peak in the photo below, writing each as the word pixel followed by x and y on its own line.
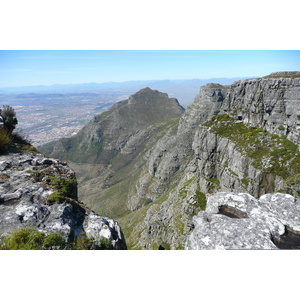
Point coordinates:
pixel 147 98
pixel 108 133
pixel 146 94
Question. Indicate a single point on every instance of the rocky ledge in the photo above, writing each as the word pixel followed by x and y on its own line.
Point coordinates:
pixel 41 192
pixel 239 221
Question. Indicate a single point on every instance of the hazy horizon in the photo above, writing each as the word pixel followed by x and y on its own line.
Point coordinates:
pixel 21 68
pixel 125 81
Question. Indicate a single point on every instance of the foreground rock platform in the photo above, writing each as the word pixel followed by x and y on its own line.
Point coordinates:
pixel 25 186
pixel 240 221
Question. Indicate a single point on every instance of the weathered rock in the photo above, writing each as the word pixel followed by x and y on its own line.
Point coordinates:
pixel 173 167
pixel 199 162
pixel 24 191
pixel 271 103
pixel 239 221
pixel 97 227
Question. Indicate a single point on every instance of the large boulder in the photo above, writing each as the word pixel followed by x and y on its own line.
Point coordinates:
pixel 239 221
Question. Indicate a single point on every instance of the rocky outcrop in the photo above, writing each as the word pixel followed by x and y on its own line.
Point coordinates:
pixel 247 151
pixel 239 221
pixel 271 102
pixel 41 193
pixel 239 138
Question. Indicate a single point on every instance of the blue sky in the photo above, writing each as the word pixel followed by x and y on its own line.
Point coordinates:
pixel 42 67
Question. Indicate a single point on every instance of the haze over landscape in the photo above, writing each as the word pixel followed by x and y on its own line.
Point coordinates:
pixel 31 68
pixel 56 92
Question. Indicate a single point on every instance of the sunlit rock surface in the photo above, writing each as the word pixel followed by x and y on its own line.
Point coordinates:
pixel 24 190
pixel 239 221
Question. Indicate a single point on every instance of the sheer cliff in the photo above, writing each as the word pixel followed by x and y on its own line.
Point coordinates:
pixel 239 138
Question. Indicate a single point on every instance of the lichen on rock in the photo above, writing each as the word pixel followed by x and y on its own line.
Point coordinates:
pixel 27 182
pixel 265 223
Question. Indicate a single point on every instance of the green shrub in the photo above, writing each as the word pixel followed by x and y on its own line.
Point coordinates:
pixel 245 182
pixel 67 187
pixel 23 239
pixel 83 242
pixel 55 197
pixel 292 185
pixel 9 118
pixel 29 148
pixel 281 128
pixel 54 241
pixel 201 200
pixel 147 201
pixel 5 139
pixel 105 244
pixel 32 239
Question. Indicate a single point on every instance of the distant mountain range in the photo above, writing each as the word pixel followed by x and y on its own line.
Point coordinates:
pixel 183 90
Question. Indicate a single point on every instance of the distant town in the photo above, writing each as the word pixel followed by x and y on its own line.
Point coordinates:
pixel 43 118
pixel 47 113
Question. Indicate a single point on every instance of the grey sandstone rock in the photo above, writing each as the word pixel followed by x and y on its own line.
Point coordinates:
pixel 239 221
pixel 269 102
pixel 183 164
pixel 212 162
pixel 23 195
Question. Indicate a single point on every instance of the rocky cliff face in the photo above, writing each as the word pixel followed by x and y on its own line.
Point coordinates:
pixel 240 138
pixel 41 193
pixel 271 102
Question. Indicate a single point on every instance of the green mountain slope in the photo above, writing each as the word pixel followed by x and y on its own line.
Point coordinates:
pixel 108 153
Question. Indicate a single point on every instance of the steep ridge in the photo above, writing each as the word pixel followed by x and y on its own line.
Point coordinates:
pixel 122 130
pixel 108 153
pixel 238 138
pixel 223 145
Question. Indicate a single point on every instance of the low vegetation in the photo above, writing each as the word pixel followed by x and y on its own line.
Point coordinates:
pixel 5 139
pixel 55 197
pixel 283 75
pixel 9 140
pixel 32 239
pixel 66 187
pixel 271 153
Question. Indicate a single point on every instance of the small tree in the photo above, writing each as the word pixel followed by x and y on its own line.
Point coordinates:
pixel 9 118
